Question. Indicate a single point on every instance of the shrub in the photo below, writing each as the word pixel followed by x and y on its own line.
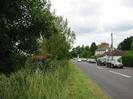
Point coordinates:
pixel 18 60
pixel 14 62
pixel 14 86
pixel 37 84
pixel 127 59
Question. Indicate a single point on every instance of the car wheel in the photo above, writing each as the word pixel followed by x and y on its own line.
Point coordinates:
pixel 112 66
pixel 121 67
pixel 107 64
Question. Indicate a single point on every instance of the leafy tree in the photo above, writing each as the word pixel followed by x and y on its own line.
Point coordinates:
pixel 75 51
pixel 22 22
pixel 58 47
pixel 83 51
pixel 93 48
pixel 132 45
pixel 126 44
pixel 86 53
pixel 127 59
pixel 87 48
pixel 59 44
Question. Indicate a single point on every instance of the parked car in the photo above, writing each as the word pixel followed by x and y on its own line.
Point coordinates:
pixel 88 60
pixel 92 61
pixel 79 60
pixel 84 59
pixel 116 64
pixel 101 61
pixel 108 62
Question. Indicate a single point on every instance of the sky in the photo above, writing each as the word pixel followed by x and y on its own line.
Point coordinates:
pixel 95 20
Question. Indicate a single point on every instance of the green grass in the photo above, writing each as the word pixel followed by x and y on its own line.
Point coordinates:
pixel 81 87
pixel 63 83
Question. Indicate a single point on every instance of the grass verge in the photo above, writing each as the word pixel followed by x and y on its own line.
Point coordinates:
pixel 63 83
pixel 81 87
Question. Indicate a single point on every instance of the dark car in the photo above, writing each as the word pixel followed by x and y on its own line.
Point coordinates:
pixel 101 61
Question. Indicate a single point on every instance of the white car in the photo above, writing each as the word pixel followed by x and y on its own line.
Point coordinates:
pixel 84 59
pixel 92 61
pixel 79 60
pixel 88 60
pixel 115 63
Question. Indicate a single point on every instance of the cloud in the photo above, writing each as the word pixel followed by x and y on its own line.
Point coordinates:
pixel 121 26
pixel 81 29
pixel 128 3
pixel 93 20
pixel 88 38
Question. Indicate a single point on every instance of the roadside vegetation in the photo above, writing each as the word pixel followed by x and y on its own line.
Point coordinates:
pixel 84 51
pixel 62 83
pixel 127 59
pixel 34 54
pixel 127 45
pixel 82 87
pixel 27 26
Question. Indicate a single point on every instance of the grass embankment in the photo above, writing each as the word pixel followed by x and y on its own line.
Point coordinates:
pixel 64 83
pixel 82 87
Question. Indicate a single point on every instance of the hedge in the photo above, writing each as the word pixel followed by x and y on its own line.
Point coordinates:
pixel 127 59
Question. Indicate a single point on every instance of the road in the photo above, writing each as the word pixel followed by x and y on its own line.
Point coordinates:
pixel 117 83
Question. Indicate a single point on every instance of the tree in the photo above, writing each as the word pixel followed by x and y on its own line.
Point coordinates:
pixel 88 53
pixel 59 43
pixel 58 47
pixel 93 48
pixel 83 51
pixel 132 45
pixel 22 22
pixel 76 51
pixel 126 44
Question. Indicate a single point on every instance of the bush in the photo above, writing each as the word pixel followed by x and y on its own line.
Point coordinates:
pixel 18 60
pixel 12 63
pixel 127 59
pixel 63 83
pixel 38 84
pixel 49 65
pixel 14 87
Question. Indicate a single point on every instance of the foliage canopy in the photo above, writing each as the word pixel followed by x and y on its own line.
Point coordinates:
pixel 22 23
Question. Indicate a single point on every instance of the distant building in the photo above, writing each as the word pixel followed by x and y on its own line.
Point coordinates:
pixel 115 54
pixel 102 48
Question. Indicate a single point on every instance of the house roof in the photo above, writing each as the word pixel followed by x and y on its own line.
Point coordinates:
pixel 115 53
pixel 101 49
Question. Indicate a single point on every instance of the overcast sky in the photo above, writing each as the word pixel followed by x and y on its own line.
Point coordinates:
pixel 94 20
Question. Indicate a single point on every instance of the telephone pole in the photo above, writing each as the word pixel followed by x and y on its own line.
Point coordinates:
pixel 111 41
pixel 112 45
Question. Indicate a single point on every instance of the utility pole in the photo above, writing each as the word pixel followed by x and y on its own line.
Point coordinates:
pixel 111 41
pixel 112 45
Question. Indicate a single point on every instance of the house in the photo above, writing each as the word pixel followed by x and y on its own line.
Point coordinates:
pixel 102 48
pixel 114 54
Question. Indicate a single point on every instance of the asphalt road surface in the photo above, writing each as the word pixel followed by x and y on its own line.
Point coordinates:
pixel 117 83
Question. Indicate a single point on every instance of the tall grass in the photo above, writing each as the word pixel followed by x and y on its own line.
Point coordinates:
pixel 37 84
pixel 63 81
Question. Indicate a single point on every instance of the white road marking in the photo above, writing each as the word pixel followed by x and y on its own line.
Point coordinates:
pixel 100 67
pixel 120 74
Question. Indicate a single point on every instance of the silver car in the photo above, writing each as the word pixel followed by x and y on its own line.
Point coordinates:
pixel 115 63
